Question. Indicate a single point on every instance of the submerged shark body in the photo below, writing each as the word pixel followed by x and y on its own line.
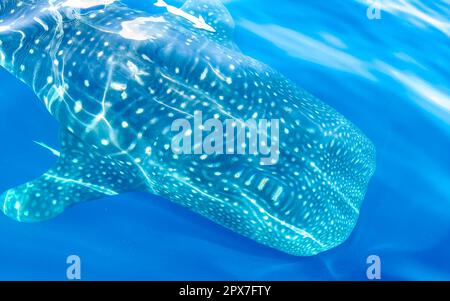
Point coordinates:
pixel 116 78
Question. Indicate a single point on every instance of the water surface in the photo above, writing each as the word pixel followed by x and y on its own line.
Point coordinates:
pixel 390 77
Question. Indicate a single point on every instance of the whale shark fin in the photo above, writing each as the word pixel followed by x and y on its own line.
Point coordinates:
pixel 215 15
pixel 81 174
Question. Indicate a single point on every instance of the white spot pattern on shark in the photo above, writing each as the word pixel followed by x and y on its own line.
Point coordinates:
pixel 115 78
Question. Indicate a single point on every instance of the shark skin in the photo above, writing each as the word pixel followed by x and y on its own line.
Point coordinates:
pixel 116 78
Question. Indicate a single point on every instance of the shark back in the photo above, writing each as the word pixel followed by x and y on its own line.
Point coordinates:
pixel 117 79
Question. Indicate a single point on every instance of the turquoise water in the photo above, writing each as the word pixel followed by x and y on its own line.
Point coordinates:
pixel 389 76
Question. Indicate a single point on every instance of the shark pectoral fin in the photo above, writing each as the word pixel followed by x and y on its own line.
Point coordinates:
pixel 213 13
pixel 44 197
pixel 80 175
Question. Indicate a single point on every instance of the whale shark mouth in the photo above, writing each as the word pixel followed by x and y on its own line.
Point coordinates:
pixel 116 79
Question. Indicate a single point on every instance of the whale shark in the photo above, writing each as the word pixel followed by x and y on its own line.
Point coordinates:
pixel 116 78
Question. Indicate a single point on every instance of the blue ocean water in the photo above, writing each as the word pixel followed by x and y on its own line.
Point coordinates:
pixel 389 76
